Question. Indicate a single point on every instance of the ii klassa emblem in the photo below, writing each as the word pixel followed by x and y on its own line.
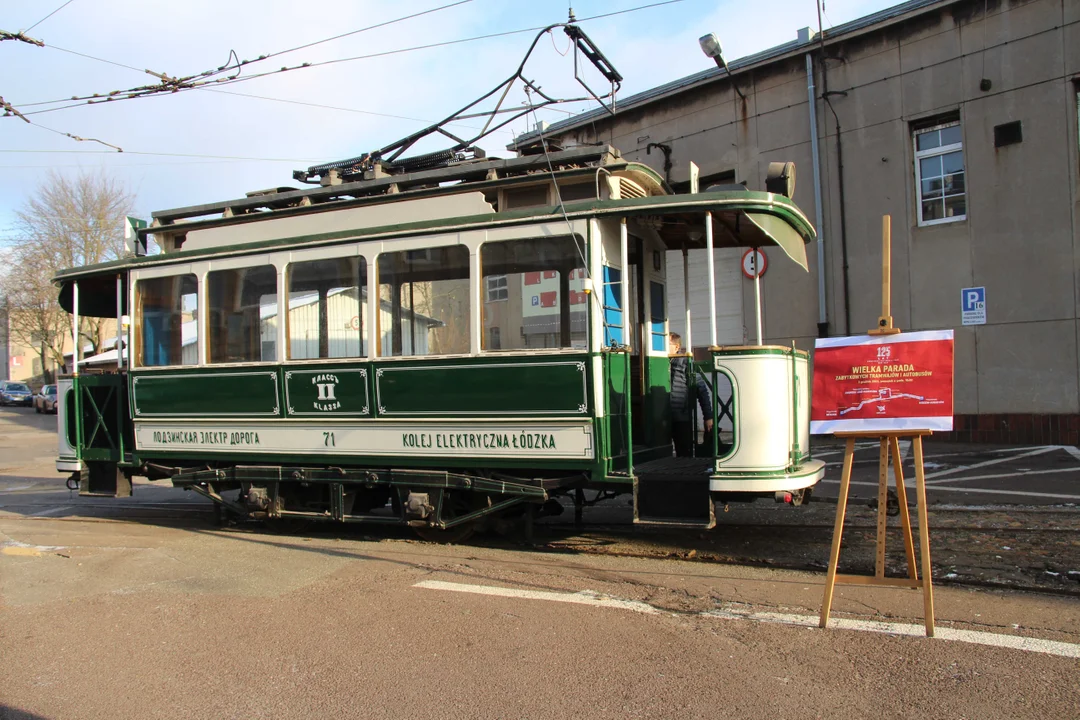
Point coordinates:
pixel 325 384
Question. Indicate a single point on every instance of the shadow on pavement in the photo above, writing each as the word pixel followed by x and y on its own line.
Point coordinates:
pixel 9 713
pixel 26 417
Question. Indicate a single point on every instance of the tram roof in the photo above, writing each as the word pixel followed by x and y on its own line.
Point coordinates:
pixel 740 219
pixel 680 213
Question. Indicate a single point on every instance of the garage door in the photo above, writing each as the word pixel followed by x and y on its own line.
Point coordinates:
pixel 729 310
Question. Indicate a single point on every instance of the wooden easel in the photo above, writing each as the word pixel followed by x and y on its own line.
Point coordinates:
pixel 889 445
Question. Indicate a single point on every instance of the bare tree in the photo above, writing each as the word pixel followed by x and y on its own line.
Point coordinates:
pixel 35 319
pixel 68 222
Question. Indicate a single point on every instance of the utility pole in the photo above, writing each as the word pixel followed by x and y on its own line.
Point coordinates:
pixel 5 374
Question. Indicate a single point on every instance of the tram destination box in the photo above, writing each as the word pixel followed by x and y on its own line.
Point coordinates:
pixel 872 383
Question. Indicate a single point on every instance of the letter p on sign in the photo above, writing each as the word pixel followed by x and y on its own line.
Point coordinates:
pixel 973 306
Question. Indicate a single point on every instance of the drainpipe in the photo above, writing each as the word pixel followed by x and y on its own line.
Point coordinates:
pixel 666 149
pixel 823 312
pixel 843 205
pixel 825 95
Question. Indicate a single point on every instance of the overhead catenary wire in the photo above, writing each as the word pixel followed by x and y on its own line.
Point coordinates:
pixel 77 138
pixel 159 154
pixel 170 84
pixel 175 85
pixel 257 97
pixel 48 16
pixel 330 107
pixel 365 29
pixel 229 66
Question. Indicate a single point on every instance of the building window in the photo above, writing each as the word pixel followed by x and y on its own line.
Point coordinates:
pixel 543 281
pixel 166 317
pixel 327 301
pixel 242 314
pixel 424 302
pixel 496 288
pixel 939 174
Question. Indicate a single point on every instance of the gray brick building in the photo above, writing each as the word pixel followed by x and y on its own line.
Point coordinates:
pixel 956 117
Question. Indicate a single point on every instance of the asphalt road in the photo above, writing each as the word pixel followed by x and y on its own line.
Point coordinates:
pixel 142 608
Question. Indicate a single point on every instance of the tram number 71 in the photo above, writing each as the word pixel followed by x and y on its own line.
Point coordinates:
pixel 328 439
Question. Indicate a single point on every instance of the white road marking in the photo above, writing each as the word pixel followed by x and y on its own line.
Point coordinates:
pixel 1071 449
pixel 579 598
pixel 965 468
pixel 976 637
pixel 940 488
pixel 1017 474
pixel 51 511
pixel 27 546
pixel 858 446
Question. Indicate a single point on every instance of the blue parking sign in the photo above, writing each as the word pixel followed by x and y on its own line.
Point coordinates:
pixel 973 306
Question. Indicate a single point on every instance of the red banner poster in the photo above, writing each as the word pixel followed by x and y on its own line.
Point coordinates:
pixel 883 382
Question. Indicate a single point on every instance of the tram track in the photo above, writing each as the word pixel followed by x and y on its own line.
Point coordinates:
pixel 627 528
pixel 1009 550
pixel 817 526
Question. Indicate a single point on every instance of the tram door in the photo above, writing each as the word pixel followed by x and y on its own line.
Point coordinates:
pixel 648 384
pixel 651 381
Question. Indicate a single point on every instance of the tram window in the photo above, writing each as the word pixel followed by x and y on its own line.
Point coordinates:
pixel 243 314
pixel 543 304
pixel 424 302
pixel 657 328
pixel 612 303
pixel 327 306
pixel 167 328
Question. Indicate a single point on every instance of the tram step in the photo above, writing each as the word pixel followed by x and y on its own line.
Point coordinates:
pixel 673 501
pixel 104 480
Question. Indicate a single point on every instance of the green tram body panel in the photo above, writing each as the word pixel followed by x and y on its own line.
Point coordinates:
pixel 528 419
pixel 510 411
pixel 555 385
pixel 199 393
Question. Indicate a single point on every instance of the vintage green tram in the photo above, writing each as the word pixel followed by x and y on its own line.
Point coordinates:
pixel 434 348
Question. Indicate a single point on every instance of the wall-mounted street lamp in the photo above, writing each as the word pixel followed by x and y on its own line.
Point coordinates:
pixel 710 45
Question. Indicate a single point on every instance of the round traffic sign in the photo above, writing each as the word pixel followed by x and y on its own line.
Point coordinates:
pixel 754 263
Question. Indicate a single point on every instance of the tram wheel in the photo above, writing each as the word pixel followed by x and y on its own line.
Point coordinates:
pixel 455 504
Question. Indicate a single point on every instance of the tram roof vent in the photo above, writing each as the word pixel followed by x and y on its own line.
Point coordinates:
pixel 629 189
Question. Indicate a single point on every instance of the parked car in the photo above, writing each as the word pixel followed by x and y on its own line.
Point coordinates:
pixel 45 400
pixel 15 393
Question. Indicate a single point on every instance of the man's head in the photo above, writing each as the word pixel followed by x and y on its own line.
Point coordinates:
pixel 675 344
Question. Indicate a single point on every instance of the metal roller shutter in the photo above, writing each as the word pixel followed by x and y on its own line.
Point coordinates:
pixel 729 296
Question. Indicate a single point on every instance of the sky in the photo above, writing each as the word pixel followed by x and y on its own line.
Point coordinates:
pixel 214 144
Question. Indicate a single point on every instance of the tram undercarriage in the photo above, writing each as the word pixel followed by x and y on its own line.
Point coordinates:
pixel 438 505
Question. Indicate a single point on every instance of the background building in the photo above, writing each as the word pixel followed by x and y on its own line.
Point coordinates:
pixel 956 117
